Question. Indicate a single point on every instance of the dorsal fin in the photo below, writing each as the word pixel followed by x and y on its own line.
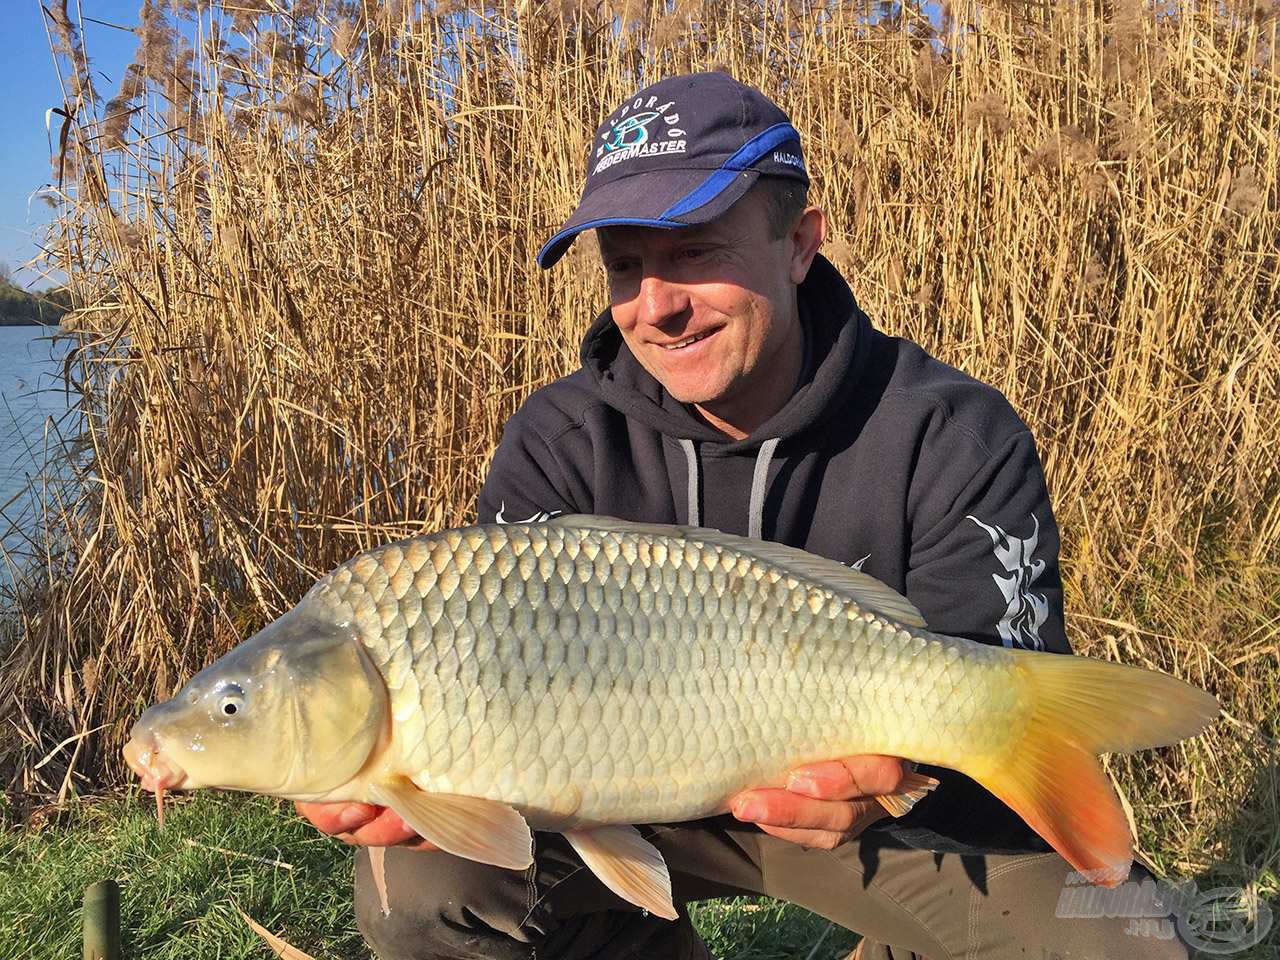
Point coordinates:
pixel 864 589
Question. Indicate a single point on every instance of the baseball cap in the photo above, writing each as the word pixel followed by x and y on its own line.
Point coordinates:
pixel 679 153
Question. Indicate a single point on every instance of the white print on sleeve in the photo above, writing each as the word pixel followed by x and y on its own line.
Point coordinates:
pixel 540 516
pixel 1025 612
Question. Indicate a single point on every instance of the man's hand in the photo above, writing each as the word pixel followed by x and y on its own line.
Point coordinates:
pixel 363 824
pixel 823 804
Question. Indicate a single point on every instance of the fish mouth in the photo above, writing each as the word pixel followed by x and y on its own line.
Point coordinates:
pixel 158 772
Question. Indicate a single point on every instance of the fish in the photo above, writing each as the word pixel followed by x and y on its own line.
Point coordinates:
pixel 585 674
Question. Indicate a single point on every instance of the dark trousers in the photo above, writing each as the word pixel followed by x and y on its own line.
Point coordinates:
pixel 906 903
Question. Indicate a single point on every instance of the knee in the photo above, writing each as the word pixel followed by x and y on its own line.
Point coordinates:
pixel 399 935
pixel 442 908
pixel 1154 939
pixel 1155 935
pixel 1133 921
pixel 1057 917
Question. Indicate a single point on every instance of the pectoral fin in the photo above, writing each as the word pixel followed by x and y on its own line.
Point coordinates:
pixel 914 787
pixel 483 830
pixel 627 864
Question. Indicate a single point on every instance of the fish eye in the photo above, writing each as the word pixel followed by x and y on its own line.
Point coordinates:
pixel 231 703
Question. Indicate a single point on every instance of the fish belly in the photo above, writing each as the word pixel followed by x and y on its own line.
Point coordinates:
pixel 597 677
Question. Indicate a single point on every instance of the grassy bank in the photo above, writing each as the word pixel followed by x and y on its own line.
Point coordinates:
pixel 303 246
pixel 182 888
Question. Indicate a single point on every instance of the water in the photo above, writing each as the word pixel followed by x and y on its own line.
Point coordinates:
pixel 30 365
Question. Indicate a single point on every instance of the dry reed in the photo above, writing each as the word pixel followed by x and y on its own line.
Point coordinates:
pixel 303 254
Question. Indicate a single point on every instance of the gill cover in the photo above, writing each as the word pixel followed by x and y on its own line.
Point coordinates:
pixel 339 701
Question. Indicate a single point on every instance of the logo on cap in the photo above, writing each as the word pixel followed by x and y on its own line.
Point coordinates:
pixel 628 136
pixel 630 131
pixel 789 159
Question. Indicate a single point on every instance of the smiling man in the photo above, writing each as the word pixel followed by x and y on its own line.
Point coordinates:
pixel 734 383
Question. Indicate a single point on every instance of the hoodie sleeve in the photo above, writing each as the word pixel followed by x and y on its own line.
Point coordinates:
pixel 525 482
pixel 983 565
pixel 984 556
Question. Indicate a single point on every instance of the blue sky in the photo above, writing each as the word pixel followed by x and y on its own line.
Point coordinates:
pixel 29 87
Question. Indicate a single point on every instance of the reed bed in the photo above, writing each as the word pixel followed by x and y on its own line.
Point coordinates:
pixel 300 238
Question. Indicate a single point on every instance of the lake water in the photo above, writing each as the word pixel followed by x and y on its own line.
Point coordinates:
pixel 30 365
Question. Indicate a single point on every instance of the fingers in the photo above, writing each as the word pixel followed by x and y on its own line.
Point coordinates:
pixel 850 777
pixel 860 814
pixel 814 839
pixel 384 830
pixel 784 809
pixel 335 818
pixel 362 824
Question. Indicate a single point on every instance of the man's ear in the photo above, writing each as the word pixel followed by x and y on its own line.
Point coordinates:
pixel 806 237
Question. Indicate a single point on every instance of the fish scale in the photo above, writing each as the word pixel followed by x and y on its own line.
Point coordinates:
pixel 700 686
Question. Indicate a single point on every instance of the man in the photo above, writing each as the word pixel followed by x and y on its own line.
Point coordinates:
pixel 735 384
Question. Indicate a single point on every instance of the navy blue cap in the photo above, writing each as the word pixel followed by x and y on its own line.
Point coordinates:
pixel 678 153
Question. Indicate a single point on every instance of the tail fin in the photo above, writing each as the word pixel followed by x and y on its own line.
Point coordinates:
pixel 1079 708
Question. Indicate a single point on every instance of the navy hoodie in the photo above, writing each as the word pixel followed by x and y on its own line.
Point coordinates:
pixel 884 459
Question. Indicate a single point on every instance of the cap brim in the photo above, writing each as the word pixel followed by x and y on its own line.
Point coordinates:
pixel 658 198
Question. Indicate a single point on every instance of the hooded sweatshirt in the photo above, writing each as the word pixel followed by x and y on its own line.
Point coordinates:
pixel 883 459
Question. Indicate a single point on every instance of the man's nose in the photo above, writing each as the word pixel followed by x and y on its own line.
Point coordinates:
pixel 660 300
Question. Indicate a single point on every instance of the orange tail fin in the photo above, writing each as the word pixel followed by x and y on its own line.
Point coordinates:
pixel 1077 709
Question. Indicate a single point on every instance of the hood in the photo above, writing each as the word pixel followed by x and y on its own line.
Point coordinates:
pixel 836 338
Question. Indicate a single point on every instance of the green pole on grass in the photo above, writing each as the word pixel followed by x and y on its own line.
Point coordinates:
pixel 101 921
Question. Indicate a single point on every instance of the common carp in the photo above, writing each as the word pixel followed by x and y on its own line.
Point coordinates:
pixel 585 674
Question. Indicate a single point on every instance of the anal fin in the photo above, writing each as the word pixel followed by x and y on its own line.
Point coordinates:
pixel 483 830
pixel 914 787
pixel 627 864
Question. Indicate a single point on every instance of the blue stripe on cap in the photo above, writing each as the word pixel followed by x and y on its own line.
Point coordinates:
pixel 743 159
pixel 568 232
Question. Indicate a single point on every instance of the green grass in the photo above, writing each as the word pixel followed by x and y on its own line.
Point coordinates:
pixel 179 901
pixel 180 896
